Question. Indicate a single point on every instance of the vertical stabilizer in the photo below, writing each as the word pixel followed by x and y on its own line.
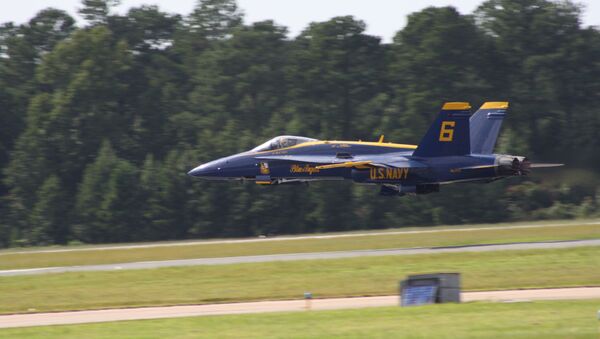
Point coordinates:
pixel 485 125
pixel 449 134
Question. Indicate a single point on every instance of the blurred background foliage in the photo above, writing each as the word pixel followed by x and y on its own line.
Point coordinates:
pixel 99 123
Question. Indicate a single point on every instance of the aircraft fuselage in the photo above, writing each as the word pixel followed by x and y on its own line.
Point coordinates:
pixel 456 148
pixel 421 171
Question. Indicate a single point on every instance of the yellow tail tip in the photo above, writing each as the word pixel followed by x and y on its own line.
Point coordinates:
pixel 495 105
pixel 456 106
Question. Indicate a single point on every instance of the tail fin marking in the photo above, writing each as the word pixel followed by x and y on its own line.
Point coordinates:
pixel 449 134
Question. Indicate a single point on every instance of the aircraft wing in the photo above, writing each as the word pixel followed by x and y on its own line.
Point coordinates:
pixel 361 161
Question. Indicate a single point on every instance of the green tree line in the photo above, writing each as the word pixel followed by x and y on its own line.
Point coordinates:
pixel 99 122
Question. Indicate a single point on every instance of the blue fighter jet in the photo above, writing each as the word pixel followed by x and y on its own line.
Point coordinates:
pixel 457 147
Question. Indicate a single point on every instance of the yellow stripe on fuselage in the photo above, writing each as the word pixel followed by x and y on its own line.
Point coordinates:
pixel 349 164
pixel 335 142
pixel 371 143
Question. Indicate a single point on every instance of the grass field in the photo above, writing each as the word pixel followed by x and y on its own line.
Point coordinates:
pixel 288 280
pixel 557 319
pixel 441 237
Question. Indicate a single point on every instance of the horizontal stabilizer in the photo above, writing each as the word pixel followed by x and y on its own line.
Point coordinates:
pixel 543 165
pixel 521 167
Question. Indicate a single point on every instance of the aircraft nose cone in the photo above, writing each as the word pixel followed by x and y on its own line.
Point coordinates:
pixel 195 172
pixel 204 170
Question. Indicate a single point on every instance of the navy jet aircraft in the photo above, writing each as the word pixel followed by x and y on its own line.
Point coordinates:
pixel 458 147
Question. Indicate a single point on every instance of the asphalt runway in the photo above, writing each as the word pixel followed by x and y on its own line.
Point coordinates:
pixel 303 256
pixel 80 317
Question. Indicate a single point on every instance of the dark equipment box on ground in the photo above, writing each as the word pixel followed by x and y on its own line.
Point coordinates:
pixel 430 288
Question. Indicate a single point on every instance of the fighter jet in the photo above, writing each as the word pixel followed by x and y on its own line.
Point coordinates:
pixel 457 148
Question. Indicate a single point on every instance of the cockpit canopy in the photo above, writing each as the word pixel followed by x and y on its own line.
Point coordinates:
pixel 281 142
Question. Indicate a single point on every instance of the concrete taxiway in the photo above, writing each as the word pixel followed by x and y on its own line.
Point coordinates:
pixel 80 317
pixel 293 237
pixel 303 256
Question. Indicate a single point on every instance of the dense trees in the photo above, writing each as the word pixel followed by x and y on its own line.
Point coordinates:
pixel 99 124
pixel 550 70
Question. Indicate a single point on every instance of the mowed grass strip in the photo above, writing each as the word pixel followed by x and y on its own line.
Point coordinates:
pixel 542 319
pixel 385 241
pixel 289 280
